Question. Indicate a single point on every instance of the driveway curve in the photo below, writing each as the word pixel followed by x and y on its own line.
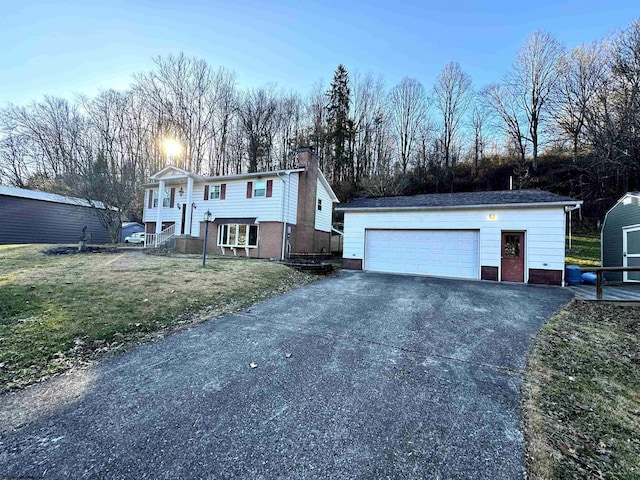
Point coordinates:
pixel 358 376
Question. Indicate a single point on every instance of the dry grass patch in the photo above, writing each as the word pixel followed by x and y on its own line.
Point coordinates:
pixel 61 310
pixel 582 394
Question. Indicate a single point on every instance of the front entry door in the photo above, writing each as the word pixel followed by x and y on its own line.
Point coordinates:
pixel 512 252
pixel 631 253
pixel 184 214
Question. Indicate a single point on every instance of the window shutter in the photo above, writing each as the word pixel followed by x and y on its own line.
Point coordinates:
pixel 172 198
pixel 249 189
pixel 269 188
pixel 150 198
pixel 206 192
pixel 223 191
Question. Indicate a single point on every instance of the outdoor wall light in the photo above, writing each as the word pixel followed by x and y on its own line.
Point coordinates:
pixel 181 191
pixel 207 218
pixel 492 216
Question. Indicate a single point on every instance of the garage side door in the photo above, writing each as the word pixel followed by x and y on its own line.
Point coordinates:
pixel 442 253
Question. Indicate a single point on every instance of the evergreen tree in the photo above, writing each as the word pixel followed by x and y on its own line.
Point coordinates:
pixel 340 125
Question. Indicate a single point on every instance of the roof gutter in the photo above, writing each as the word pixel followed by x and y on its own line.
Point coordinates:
pixel 240 176
pixel 577 203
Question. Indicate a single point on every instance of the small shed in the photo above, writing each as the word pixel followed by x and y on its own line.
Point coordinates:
pixel 129 228
pixel 29 216
pixel 620 246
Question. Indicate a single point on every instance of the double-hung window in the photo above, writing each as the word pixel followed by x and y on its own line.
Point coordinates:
pixel 238 235
pixel 165 201
pixel 260 189
pixel 214 192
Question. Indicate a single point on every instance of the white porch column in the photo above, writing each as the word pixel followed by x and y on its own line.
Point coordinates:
pixel 189 212
pixel 160 202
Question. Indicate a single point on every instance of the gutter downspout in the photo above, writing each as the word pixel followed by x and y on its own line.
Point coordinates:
pixel 284 219
pixel 569 210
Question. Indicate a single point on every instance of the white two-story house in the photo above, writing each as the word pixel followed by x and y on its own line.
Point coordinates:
pixel 262 214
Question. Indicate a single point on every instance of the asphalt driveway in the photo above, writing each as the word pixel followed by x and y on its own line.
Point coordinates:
pixel 359 376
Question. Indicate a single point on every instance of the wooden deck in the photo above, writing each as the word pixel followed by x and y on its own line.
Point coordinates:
pixel 616 293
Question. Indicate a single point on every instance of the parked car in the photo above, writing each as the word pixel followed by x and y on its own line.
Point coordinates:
pixel 135 238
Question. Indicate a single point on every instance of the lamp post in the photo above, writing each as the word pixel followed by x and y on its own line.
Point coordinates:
pixel 207 219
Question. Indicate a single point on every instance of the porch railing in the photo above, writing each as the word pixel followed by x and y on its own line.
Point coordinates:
pixel 600 270
pixel 158 239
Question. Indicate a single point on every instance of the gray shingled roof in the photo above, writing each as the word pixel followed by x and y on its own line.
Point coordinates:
pixel 463 199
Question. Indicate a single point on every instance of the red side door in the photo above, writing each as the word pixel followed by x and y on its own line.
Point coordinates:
pixel 512 252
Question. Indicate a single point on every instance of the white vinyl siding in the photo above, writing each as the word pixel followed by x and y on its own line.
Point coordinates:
pixel 235 204
pixel 291 196
pixel 323 217
pixel 544 231
pixel 168 214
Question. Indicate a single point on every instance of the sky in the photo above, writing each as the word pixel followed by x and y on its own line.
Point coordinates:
pixel 68 47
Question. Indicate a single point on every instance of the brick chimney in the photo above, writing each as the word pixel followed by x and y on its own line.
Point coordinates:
pixel 307 191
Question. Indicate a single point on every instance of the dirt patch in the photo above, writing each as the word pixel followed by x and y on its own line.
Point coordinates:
pixel 66 250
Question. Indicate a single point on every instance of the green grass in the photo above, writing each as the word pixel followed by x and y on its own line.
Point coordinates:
pixel 58 311
pixel 585 250
pixel 582 394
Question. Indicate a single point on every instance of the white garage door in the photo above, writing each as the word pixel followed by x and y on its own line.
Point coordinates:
pixel 443 253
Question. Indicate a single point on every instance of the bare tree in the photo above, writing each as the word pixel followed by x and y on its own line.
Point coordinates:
pixel 452 97
pixel 182 93
pixel 503 104
pixel 258 114
pixel 479 115
pixel 408 106
pixel 533 77
pixel 368 100
pixel 581 74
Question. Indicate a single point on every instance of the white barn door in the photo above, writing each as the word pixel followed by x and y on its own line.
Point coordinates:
pixel 631 252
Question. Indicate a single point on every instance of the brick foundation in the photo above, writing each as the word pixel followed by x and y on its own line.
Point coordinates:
pixel 191 245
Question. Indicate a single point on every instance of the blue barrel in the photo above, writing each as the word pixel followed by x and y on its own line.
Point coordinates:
pixel 589 278
pixel 574 275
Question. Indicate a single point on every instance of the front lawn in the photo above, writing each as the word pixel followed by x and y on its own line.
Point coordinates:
pixel 582 394
pixel 57 311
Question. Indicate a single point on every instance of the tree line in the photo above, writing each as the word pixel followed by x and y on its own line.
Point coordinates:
pixel 559 119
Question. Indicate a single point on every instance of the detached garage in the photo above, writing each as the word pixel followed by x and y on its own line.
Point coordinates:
pixel 514 235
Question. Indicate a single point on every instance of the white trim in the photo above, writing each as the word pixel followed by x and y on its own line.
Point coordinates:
pixel 462 207
pixel 327 187
pixel 222 178
pixel 625 231
pixel 254 188
pixel 181 173
pixel 236 245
